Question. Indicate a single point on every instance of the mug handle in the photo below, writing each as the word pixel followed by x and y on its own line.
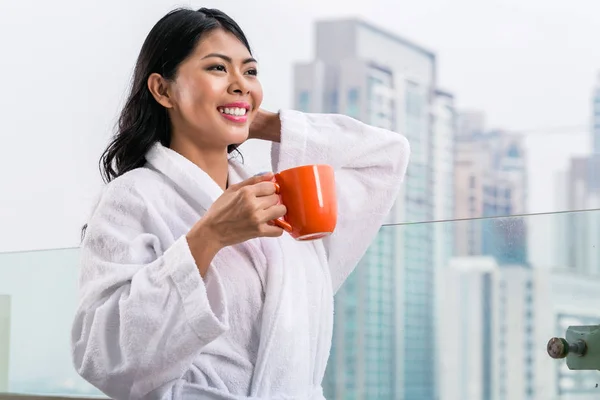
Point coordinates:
pixel 281 222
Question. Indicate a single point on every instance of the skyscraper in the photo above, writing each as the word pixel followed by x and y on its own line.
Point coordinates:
pixel 384 320
pixel 496 324
pixel 596 117
pixel 490 181
pixel 4 341
pixel 444 132
pixel 579 189
pixel 490 331
pixel 468 327
pixel 442 164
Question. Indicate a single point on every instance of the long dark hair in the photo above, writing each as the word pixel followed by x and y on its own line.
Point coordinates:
pixel 143 121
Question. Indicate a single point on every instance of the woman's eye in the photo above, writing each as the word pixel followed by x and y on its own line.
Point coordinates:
pixel 217 68
pixel 252 71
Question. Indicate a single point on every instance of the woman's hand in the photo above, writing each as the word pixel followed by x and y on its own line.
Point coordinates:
pixel 266 125
pixel 244 211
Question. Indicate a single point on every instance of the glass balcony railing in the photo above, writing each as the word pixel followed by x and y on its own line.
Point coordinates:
pixel 446 310
pixel 38 297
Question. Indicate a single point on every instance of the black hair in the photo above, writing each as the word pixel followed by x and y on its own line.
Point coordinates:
pixel 143 121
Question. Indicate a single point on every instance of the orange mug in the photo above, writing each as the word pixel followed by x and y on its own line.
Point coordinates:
pixel 308 192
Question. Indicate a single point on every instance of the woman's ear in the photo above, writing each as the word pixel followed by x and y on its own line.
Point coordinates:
pixel 159 88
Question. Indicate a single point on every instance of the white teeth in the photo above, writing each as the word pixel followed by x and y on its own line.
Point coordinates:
pixel 233 111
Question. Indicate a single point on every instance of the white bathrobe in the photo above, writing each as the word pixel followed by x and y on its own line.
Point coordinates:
pixel 259 325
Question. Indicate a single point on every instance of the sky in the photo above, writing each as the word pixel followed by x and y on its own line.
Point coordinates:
pixel 529 65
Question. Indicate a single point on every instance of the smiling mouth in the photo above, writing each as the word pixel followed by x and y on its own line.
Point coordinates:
pixel 233 111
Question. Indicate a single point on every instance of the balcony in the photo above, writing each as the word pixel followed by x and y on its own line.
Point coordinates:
pixel 492 249
pixel 434 324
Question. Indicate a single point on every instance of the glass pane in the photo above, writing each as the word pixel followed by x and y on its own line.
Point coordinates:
pixel 38 296
pixel 415 320
pixel 418 321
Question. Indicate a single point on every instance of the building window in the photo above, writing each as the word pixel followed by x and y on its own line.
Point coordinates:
pixel 529 299
pixel 333 102
pixel 529 330
pixel 304 101
pixel 529 284
pixel 414 101
pixel 472 182
pixel 353 103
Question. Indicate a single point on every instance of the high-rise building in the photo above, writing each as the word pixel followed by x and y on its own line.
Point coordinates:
pixel 495 326
pixel 579 231
pixel 469 123
pixel 596 117
pixel 4 341
pixel 444 131
pixel 384 320
pixel 467 328
pixel 490 180
pixel 442 160
pixel 561 299
pixel 578 189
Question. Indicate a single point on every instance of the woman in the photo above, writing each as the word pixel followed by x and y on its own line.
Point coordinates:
pixel 187 290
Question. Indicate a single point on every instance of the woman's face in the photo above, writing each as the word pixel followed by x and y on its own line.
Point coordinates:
pixel 215 94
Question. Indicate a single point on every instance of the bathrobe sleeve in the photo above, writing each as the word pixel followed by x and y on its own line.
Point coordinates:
pixel 144 313
pixel 370 164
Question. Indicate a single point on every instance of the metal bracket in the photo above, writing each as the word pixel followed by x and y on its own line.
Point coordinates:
pixel 581 347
